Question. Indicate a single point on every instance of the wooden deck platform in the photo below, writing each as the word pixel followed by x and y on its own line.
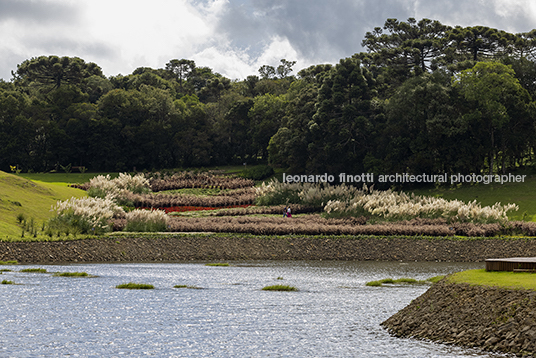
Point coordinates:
pixel 515 264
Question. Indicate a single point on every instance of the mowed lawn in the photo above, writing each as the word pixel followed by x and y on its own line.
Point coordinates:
pixel 522 194
pixel 66 178
pixel 502 279
pixel 33 199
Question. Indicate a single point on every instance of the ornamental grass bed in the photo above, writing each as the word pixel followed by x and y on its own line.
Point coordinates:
pixel 315 224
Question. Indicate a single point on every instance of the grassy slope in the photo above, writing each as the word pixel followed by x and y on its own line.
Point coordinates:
pixel 35 199
pixel 482 277
pixel 71 178
pixel 522 194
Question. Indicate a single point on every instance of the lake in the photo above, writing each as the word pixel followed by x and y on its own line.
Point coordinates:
pixel 229 315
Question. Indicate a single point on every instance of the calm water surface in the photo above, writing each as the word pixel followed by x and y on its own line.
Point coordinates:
pixel 332 315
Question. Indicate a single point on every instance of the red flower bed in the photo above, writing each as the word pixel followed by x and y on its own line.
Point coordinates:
pixel 180 209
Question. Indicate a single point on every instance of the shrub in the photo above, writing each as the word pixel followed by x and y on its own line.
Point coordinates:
pixel 7 282
pixel 146 221
pixel 21 218
pixel 87 215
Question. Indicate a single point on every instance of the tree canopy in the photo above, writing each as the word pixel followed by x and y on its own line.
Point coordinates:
pixel 424 97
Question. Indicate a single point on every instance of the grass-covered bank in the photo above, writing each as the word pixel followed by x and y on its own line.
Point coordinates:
pixel 25 200
pixel 225 247
pixel 502 279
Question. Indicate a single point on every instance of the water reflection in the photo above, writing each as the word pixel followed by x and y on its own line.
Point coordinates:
pixel 332 315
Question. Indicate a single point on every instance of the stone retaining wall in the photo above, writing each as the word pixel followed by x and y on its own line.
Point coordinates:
pixel 489 318
pixel 243 247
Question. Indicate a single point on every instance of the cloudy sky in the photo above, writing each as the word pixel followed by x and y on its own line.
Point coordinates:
pixel 233 37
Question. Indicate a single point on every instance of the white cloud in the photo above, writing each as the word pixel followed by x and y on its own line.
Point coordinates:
pixel 148 35
pixel 233 37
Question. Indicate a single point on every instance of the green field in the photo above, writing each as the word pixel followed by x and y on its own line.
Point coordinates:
pixel 516 280
pixel 64 178
pixel 33 199
pixel 522 194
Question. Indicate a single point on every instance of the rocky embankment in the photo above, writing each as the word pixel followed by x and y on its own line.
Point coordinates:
pixel 492 319
pixel 244 247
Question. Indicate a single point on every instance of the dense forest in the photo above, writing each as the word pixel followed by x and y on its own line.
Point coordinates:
pixel 423 98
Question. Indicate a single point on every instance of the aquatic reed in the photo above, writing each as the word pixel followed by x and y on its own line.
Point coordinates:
pixel 135 286
pixel 279 288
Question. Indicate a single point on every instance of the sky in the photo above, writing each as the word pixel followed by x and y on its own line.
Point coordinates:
pixel 232 37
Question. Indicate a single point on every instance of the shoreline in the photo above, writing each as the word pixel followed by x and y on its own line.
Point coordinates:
pixel 489 318
pixel 190 247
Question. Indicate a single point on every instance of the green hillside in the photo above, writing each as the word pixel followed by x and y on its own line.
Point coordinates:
pixel 33 199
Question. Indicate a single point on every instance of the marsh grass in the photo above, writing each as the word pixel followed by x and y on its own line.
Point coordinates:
pixel 10 262
pixel 387 280
pixel 5 270
pixel 187 286
pixel 7 282
pixel 403 280
pixel 71 274
pixel 408 280
pixel 135 286
pixel 504 279
pixel 36 270
pixel 279 288
pixel 217 264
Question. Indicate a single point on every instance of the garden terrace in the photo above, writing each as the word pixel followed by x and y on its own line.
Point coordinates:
pixel 314 224
pixel 199 180
pixel 161 200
